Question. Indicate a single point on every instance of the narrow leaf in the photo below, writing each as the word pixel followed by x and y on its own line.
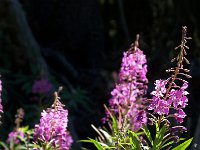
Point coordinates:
pixel 134 140
pixel 148 134
pixel 159 137
pixel 184 145
pixel 4 145
pixel 114 125
pixel 171 142
pixel 114 121
pixel 96 143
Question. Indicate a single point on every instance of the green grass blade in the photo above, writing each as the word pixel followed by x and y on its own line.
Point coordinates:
pixel 184 145
pixel 148 134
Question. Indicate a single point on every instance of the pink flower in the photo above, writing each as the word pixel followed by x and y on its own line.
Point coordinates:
pixel 176 99
pixel 124 94
pixel 159 106
pixel 132 86
pixel 138 120
pixel 15 136
pixel 180 115
pixel 133 66
pixel 160 88
pixel 53 127
pixel 42 86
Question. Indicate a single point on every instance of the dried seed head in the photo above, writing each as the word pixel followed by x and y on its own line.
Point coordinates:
pixel 19 117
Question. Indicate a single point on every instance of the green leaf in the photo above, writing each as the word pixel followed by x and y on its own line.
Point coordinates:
pixel 157 128
pixel 133 134
pixel 148 134
pixel 24 129
pixel 121 146
pixel 159 137
pixel 11 144
pixel 4 145
pixel 114 125
pixel 171 142
pixel 96 143
pixel 20 147
pixel 49 144
pixel 139 133
pixel 184 145
pixel 134 140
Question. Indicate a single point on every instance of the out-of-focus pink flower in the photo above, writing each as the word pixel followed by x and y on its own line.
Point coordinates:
pixel 15 136
pixel 42 86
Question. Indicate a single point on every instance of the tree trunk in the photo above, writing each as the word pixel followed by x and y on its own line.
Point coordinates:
pixel 15 17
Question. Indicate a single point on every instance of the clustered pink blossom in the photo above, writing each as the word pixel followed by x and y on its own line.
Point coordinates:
pixel 134 68
pixel 127 96
pixel 138 120
pixel 175 99
pixel 15 136
pixel 42 86
pixel 53 127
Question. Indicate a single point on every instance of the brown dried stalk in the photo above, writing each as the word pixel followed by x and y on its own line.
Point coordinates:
pixel 180 59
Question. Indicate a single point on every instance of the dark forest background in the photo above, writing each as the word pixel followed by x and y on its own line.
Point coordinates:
pixel 79 45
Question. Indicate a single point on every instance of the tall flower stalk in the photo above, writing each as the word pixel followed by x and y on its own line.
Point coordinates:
pixel 171 94
pixel 126 111
pixel 169 99
pixel 127 99
pixel 52 129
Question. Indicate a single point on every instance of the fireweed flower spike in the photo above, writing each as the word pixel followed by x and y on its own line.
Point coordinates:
pixel 171 94
pixel 53 126
pixel 17 133
pixel 127 97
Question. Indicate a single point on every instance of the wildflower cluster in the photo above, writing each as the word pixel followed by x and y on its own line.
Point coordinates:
pixel 128 94
pixel 168 100
pixel 51 133
pixel 127 114
pixel 53 126
pixel 176 99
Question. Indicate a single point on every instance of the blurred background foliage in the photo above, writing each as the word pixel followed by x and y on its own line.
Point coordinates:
pixel 79 45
